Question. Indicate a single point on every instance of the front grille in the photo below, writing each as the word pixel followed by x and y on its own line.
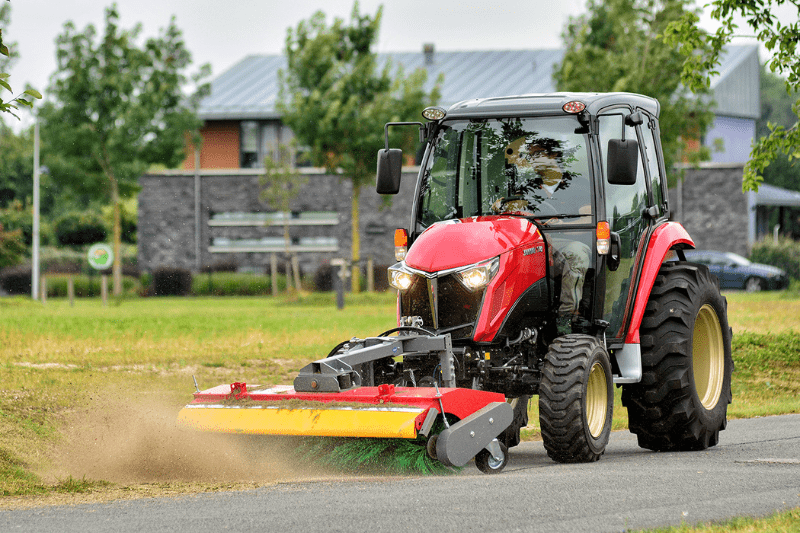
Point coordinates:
pixel 457 306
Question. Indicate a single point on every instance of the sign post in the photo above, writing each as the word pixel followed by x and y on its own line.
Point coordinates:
pixel 101 257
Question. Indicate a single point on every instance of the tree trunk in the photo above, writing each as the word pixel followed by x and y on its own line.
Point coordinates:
pixel 116 268
pixel 355 255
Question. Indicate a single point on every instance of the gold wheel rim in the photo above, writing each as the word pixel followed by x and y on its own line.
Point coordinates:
pixel 596 400
pixel 708 357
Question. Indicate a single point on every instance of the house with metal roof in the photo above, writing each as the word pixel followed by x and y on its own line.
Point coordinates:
pixel 242 123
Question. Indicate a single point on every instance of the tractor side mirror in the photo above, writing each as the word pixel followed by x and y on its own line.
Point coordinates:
pixel 623 161
pixel 390 169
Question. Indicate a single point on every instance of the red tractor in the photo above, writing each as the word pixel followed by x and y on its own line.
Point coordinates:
pixel 535 262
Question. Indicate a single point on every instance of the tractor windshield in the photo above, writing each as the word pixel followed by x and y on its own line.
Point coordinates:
pixel 535 166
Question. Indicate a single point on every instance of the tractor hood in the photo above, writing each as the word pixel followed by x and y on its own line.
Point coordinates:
pixel 457 243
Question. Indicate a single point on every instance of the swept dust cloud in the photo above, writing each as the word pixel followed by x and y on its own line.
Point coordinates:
pixel 137 440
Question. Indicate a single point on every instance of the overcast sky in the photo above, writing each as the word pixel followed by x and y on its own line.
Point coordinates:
pixel 221 32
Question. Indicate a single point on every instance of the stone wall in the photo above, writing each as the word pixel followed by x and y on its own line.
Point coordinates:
pixel 166 228
pixel 713 208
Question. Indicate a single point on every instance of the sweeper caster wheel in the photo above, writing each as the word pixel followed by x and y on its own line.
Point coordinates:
pixel 486 462
pixel 430 447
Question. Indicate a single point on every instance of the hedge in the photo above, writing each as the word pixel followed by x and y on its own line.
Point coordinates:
pixel 87 286
pixel 785 255
pixel 233 284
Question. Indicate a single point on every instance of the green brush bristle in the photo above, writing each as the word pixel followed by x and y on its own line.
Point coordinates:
pixel 387 456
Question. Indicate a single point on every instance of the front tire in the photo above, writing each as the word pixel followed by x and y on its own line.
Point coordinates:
pixel 682 401
pixel 576 399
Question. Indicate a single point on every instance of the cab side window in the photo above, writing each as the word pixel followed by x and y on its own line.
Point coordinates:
pixel 649 133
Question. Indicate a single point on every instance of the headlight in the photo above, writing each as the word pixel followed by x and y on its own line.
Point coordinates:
pixel 400 279
pixel 478 277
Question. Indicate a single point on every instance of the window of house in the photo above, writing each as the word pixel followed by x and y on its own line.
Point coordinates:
pixel 248 149
pixel 263 139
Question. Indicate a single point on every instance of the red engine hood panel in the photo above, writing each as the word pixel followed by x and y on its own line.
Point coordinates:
pixel 458 243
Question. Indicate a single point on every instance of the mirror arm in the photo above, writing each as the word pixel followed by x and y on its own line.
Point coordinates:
pixel 386 131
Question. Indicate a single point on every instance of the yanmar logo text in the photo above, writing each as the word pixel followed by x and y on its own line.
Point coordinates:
pixel 534 250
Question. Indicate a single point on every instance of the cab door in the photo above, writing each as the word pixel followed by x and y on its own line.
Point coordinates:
pixel 626 208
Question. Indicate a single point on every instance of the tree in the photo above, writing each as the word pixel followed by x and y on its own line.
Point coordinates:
pixel 6 59
pixel 702 51
pixel 119 108
pixel 16 165
pixel 616 46
pixel 336 101
pixel 776 109
pixel 280 184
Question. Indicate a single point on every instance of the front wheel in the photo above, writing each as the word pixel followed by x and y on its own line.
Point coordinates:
pixel 682 400
pixel 576 399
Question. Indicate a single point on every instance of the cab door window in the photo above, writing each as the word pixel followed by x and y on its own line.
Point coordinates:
pixel 649 134
pixel 625 208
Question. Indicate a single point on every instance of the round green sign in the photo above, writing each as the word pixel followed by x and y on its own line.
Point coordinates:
pixel 100 256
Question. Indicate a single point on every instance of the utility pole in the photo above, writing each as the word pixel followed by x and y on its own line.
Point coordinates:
pixel 35 258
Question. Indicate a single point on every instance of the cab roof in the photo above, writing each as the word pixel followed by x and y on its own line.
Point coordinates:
pixel 548 104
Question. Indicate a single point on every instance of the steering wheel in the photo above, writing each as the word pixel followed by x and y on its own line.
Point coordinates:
pixel 544 207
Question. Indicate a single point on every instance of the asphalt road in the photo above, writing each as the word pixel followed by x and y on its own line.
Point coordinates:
pixel 755 470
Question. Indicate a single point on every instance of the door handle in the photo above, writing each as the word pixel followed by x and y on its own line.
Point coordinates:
pixel 614 251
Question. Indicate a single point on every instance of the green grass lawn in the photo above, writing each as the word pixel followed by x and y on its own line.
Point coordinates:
pixel 61 364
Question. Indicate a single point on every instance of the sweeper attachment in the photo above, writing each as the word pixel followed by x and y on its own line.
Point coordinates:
pixel 330 399
pixel 539 260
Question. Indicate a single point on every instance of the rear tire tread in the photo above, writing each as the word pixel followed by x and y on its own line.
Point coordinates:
pixel 664 410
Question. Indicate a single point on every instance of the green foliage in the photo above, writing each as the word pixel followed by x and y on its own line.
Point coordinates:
pixel 702 51
pixel 12 249
pixel 785 255
pixel 17 218
pixel 78 228
pixel 280 184
pixel 129 219
pixel 26 98
pixel 16 165
pixel 118 107
pixel 86 286
pixel 70 485
pixel 233 284
pixel 776 108
pixel 617 46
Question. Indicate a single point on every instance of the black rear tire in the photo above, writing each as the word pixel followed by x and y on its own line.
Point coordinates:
pixel 576 399
pixel 682 400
